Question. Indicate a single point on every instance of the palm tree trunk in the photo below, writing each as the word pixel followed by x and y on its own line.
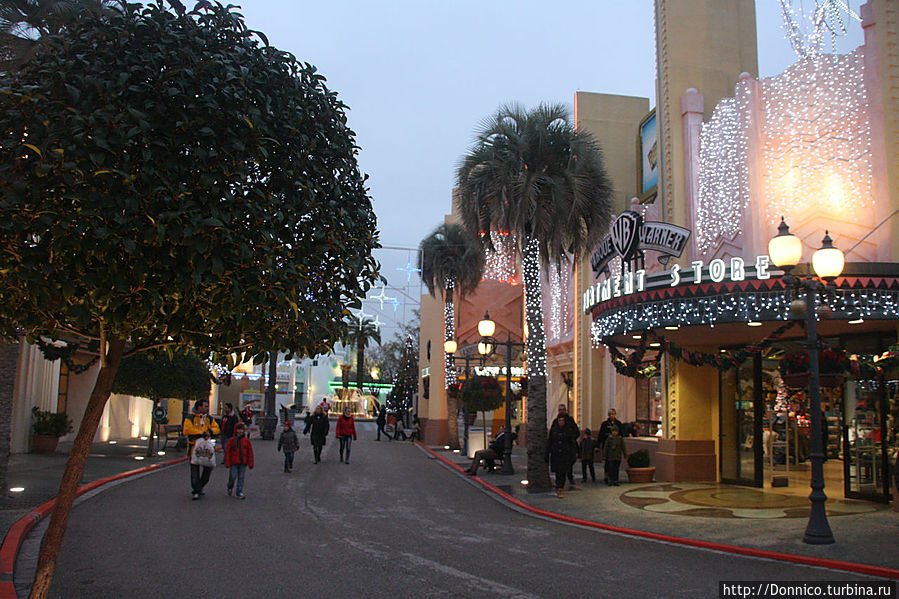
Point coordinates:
pixel 360 363
pixel 452 401
pixel 68 486
pixel 538 472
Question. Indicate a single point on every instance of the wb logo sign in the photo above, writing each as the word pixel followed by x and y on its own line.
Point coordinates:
pixel 624 234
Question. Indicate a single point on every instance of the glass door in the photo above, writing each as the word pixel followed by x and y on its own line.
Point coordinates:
pixel 864 434
pixel 740 432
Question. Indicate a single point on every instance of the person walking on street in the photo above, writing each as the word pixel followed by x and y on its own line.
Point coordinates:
pixel 416 429
pixel 346 434
pixel 382 420
pixel 229 419
pixel 200 425
pixel 560 451
pixel 587 448
pixel 238 457
pixel 317 427
pixel 288 442
pixel 613 452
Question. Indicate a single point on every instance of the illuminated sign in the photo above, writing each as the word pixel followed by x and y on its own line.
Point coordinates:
pixel 637 281
pixel 629 236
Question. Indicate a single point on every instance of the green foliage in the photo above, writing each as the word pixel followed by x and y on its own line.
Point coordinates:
pixel 50 423
pixel 388 356
pixel 405 381
pixel 451 258
pixel 180 376
pixel 481 394
pixel 361 334
pixel 532 175
pixel 639 459
pixel 171 180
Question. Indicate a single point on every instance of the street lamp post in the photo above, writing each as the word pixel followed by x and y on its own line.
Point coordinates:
pixel 450 346
pixel 785 250
pixel 486 328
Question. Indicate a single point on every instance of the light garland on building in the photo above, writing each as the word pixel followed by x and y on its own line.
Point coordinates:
pixel 449 324
pixel 736 307
pixel 807 32
pixel 500 264
pixel 533 305
pixel 813 157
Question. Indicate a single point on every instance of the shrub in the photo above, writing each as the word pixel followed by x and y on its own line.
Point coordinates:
pixel 638 459
pixel 49 423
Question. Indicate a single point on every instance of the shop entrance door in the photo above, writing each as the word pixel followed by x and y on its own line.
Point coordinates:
pixel 740 418
pixel 865 464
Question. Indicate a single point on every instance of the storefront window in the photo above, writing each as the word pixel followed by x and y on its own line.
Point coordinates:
pixel 649 406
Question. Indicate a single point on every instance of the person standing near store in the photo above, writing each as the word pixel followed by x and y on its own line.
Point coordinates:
pixel 574 432
pixel 613 452
pixel 288 442
pixel 561 451
pixel 605 430
pixel 587 448
pixel 199 425
pixel 229 419
pixel 346 434
pixel 317 427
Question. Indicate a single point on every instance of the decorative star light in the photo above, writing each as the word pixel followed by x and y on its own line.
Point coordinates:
pixel 396 304
pixel 381 297
pixel 409 269
pixel 377 321
pixel 361 316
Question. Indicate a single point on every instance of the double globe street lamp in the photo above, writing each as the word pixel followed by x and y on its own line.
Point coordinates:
pixel 785 251
pixel 486 347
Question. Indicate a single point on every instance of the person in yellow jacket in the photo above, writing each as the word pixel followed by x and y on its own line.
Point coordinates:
pixel 199 425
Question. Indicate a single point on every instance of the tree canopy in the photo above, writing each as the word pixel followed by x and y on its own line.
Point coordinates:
pixel 451 258
pixel 180 376
pixel 173 179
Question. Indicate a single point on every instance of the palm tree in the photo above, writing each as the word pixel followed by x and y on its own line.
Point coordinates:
pixel 529 173
pixel 23 23
pixel 450 259
pixel 361 333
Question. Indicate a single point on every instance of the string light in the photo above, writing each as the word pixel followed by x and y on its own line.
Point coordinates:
pixel 812 133
pixel 533 303
pixel 449 323
pixel 560 299
pixel 500 264
pixel 773 305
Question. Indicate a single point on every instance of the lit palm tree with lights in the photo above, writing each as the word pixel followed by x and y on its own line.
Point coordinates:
pixel 451 261
pixel 529 173
pixel 361 333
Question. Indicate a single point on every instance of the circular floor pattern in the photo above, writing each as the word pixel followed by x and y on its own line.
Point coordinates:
pixel 723 501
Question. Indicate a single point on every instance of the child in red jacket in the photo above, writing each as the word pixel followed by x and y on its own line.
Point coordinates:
pixel 346 433
pixel 238 456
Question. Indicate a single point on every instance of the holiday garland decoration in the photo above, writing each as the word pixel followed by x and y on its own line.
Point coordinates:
pixel 53 352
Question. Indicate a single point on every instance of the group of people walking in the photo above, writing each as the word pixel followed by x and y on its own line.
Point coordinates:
pixel 399 427
pixel 201 429
pixel 565 444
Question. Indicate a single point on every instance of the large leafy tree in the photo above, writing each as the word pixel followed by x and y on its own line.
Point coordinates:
pixel 158 376
pixel 170 180
pixel 361 333
pixel 531 174
pixel 451 261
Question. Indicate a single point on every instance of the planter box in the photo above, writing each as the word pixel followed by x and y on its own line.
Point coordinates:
pixel 45 444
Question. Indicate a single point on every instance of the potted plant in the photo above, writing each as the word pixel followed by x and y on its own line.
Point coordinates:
pixel 47 428
pixel 638 468
pixel 794 368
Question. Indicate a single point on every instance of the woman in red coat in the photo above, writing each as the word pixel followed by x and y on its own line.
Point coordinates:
pixel 346 433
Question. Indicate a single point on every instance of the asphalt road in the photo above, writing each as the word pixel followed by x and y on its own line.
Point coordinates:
pixel 393 523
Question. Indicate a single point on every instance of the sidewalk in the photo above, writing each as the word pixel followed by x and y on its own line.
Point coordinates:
pixel 40 474
pixel 768 520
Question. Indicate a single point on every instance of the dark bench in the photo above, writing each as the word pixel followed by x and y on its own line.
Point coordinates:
pixel 172 432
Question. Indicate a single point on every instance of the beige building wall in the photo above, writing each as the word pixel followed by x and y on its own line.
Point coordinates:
pixel 614 121
pixel 431 379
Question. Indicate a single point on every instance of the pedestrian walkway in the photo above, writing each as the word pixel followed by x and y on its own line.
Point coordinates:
pixel 770 520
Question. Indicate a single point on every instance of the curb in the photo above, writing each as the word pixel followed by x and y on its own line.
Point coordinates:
pixel 20 529
pixel 831 564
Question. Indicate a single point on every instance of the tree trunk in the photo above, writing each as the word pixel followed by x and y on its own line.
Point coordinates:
pixel 452 403
pixel 68 486
pixel 153 427
pixel 360 363
pixel 538 472
pixel 9 359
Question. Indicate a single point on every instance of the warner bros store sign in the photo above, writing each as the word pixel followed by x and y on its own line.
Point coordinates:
pixel 630 236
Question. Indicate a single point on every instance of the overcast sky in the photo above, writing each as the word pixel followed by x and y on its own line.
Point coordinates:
pixel 419 75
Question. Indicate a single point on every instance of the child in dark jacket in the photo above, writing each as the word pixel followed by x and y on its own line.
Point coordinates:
pixel 586 448
pixel 238 457
pixel 613 451
pixel 288 442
